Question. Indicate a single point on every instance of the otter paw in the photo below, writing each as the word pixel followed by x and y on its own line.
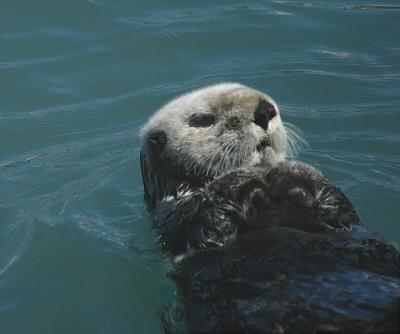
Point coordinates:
pixel 295 181
pixel 301 196
pixel 254 194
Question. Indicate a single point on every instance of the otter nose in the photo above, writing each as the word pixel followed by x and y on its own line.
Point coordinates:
pixel 264 113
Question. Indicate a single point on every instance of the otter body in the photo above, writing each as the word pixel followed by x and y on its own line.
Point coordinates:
pixel 260 243
pixel 284 280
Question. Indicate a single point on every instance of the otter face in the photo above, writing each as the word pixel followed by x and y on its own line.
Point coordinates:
pixel 211 131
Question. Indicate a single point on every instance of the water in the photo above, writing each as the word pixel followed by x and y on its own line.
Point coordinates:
pixel 79 78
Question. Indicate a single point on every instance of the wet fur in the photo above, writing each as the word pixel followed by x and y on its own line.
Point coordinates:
pixel 269 246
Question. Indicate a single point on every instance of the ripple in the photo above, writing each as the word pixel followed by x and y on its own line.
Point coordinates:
pixel 70 181
pixel 56 158
pixel 295 3
pixel 347 56
pixel 340 111
pixel 59 58
pixel 15 238
pixel 372 7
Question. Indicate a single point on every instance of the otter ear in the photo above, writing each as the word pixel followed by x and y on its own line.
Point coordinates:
pixel 157 141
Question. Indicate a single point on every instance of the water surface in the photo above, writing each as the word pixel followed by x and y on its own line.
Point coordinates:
pixel 79 78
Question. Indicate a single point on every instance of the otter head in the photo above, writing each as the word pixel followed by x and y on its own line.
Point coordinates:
pixel 206 133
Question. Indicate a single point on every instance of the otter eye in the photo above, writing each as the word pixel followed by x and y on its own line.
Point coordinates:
pixel 201 120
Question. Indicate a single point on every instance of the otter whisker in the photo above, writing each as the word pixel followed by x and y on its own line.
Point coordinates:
pixel 222 153
pixel 226 161
pixel 227 153
pixel 295 139
pixel 216 153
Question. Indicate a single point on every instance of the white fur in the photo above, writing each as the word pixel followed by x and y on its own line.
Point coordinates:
pixel 213 150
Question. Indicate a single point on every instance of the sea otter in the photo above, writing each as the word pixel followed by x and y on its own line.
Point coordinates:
pixel 260 243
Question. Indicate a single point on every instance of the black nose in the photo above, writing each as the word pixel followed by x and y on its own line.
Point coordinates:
pixel 264 113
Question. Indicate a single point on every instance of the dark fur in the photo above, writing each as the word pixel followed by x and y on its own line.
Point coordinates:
pixel 273 249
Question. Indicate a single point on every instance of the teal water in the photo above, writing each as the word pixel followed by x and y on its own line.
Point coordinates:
pixel 79 78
